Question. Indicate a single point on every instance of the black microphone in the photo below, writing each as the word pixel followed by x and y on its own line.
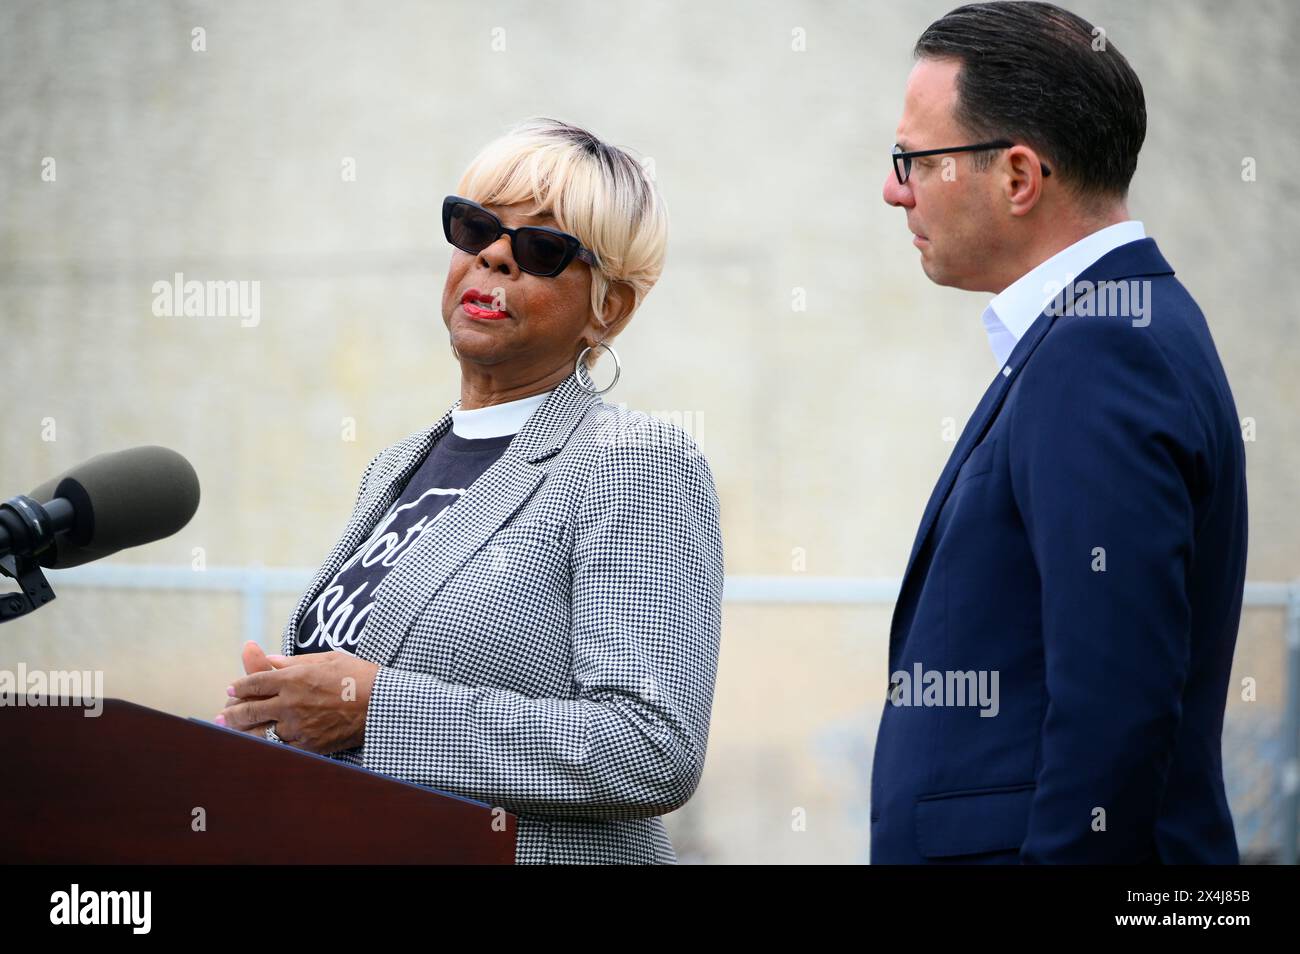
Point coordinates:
pixel 111 502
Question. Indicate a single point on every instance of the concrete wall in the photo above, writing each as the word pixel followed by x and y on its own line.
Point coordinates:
pixel 825 427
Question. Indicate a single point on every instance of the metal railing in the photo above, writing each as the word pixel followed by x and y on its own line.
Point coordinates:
pixel 255 583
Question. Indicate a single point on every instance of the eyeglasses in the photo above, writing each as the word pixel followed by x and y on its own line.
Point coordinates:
pixel 536 249
pixel 903 160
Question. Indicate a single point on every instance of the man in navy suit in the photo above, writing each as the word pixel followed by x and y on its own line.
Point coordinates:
pixel 1060 652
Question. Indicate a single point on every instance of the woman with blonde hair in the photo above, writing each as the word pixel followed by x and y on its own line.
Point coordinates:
pixel 528 593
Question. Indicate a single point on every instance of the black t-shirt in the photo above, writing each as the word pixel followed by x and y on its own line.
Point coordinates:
pixel 334 620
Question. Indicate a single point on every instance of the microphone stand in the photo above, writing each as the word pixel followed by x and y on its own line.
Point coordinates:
pixel 26 529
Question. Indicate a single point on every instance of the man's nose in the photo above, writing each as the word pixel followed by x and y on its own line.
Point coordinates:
pixel 897 195
pixel 499 256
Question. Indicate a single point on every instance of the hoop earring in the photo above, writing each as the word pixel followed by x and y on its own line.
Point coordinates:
pixel 577 369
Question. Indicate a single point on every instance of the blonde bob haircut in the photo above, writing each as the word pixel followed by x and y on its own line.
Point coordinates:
pixel 595 191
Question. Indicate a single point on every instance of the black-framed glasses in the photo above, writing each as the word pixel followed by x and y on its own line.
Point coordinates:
pixel 903 160
pixel 537 249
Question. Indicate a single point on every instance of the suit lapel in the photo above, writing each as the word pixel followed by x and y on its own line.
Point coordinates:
pixel 1137 259
pixel 392 470
pixel 460 532
pixel 980 421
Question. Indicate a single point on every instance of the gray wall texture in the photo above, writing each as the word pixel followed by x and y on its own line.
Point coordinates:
pixel 768 125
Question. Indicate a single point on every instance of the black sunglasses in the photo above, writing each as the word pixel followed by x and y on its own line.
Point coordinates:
pixel 536 249
pixel 903 160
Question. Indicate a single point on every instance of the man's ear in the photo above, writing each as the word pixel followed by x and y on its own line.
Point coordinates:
pixel 1022 179
pixel 620 299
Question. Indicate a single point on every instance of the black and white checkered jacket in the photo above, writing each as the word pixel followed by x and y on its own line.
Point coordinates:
pixel 551 646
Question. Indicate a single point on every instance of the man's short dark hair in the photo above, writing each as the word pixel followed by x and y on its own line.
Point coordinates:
pixel 1034 73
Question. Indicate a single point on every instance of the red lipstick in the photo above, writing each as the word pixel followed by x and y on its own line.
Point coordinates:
pixel 472 303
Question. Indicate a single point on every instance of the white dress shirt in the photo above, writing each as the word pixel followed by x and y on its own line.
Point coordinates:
pixel 497 420
pixel 1010 314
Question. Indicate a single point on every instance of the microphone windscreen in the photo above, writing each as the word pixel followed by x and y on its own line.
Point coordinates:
pixel 121 499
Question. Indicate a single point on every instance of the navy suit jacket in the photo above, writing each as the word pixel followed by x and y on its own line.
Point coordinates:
pixel 1086 542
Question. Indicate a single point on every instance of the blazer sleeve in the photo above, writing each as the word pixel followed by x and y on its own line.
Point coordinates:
pixel 647 571
pixel 1104 462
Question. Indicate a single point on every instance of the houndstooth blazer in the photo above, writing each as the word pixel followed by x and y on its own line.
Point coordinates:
pixel 551 646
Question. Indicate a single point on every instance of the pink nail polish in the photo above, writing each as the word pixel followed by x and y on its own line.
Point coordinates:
pixel 230 690
pixel 220 720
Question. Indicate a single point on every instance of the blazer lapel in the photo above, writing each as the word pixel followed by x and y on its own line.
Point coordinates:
pixel 1134 260
pixel 469 523
pixel 385 485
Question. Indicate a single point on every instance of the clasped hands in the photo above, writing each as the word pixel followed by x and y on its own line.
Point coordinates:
pixel 317 701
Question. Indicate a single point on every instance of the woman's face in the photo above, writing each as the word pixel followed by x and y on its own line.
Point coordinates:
pixel 546 322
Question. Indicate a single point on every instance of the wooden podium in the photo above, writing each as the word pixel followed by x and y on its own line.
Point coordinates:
pixel 126 787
